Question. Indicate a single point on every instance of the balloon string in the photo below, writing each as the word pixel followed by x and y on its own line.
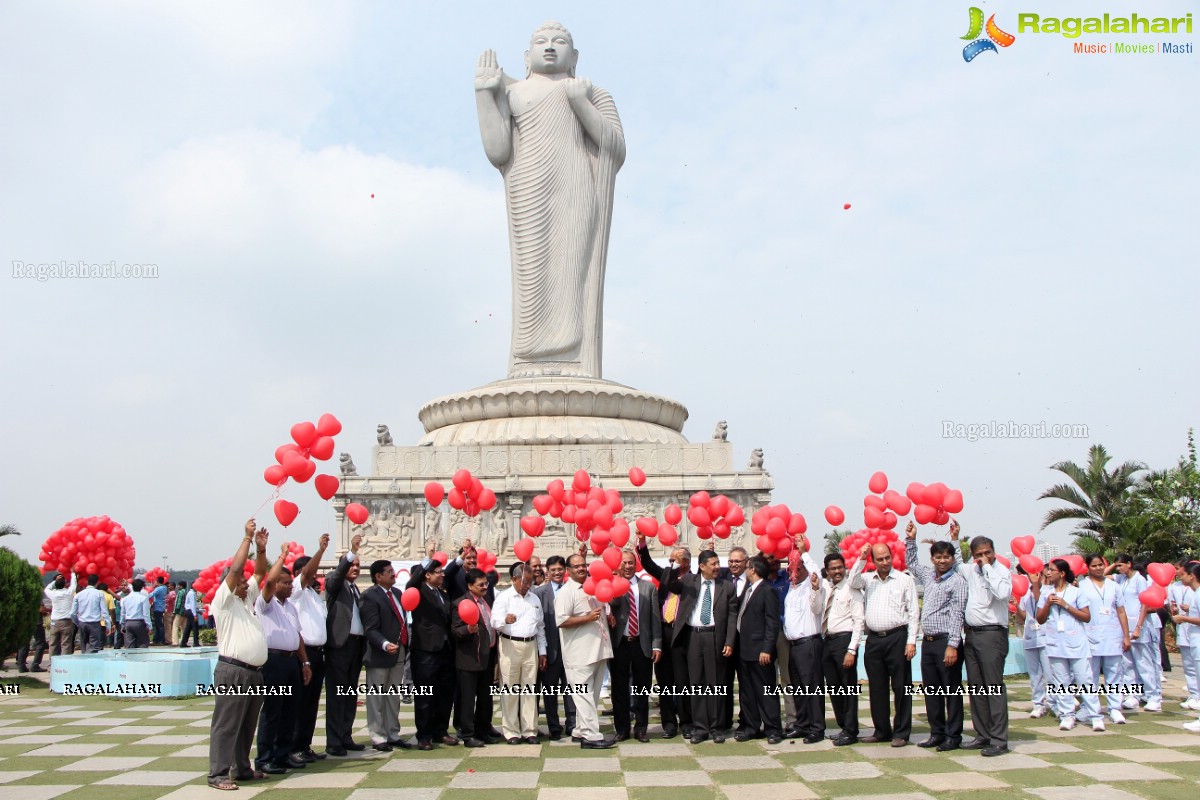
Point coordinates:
pixel 278 490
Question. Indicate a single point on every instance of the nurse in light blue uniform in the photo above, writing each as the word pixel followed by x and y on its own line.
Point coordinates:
pixel 1064 613
pixel 1191 619
pixel 1142 658
pixel 1108 632
pixel 1183 597
pixel 1037 663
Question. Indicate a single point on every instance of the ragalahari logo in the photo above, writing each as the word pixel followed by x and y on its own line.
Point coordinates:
pixel 995 36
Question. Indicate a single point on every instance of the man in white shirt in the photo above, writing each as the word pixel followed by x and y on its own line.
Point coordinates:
pixel 135 614
pixel 842 625
pixel 287 667
pixel 191 616
pixel 583 630
pixel 803 608
pixel 313 621
pixel 989 586
pixel 88 609
pixel 242 650
pixel 892 618
pixel 62 629
pixel 517 620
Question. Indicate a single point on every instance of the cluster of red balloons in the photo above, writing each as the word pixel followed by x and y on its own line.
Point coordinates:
pixel 714 516
pixel 90 546
pixel 591 509
pixel 210 576
pixel 295 461
pixel 934 503
pixel 1022 548
pixel 777 528
pixel 1154 596
pixel 602 581
pixel 852 544
pixel 469 495
pixel 152 575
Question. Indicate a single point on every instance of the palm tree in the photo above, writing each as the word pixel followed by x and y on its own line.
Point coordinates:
pixel 834 538
pixel 1097 500
pixel 9 530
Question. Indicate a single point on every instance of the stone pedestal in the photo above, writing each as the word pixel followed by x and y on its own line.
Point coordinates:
pixel 518 435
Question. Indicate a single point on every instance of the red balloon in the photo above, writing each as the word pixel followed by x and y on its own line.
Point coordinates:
pixel 1030 563
pixel 941 517
pixel 322 448
pixel 705 532
pixel 698 516
pixel 462 480
pixel 776 528
pixel 457 499
pixel 303 434
pixel 275 475
pixel 637 476
pixel 468 611
pixel 780 511
pixel 620 586
pixel 524 547
pixel 924 514
pixel 1007 564
pixel 306 471
pixel 612 557
pixel 1075 562
pixel 285 512
pixel 722 530
pixel 766 544
pixel 873 517
pixel 410 599
pixel 897 502
pixel 934 494
pixel 589 585
pixel 796 524
pixel 533 526
pixel 357 513
pixel 328 425
pixel 434 492
pixel 718 506
pixel 620 534
pixel 1154 597
pixel 953 501
pixel 915 492
pixel 542 503
pixel 783 546
pixel 699 500
pixel 673 514
pixel 294 463
pixel 582 481
pixel 604 591
pixel 1162 574
pixel 735 516
pixel 613 498
pixel 475 489
pixel 471 508
pixel 556 489
pixel 600 571
pixel 878 503
pixel 667 534
pixel 441 558
pixel 1021 545
pixel 878 483
pixel 647 526
pixel 834 515
pixel 327 486
pixel 487 500
pixel 889 521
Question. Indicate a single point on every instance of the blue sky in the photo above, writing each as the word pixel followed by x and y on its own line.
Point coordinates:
pixel 1018 244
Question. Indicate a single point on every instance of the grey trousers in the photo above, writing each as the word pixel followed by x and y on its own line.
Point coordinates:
pixel 233 722
pixel 137 633
pixel 383 710
pixel 985 653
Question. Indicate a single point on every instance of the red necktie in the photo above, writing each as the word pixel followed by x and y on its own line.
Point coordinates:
pixel 633 611
pixel 399 616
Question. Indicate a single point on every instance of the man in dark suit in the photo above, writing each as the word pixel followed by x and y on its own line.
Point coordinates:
pixel 706 626
pixel 554 674
pixel 387 640
pixel 474 658
pixel 456 575
pixel 637 646
pixel 432 657
pixel 672 668
pixel 344 650
pixel 758 631
pixel 739 577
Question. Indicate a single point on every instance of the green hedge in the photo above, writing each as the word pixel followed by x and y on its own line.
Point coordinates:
pixel 20 601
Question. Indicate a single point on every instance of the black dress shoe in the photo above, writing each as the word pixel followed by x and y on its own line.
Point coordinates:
pixel 774 738
pixel 947 746
pixel 844 741
pixel 338 752
pixel 899 742
pixel 556 737
pixel 314 756
pixel 689 731
pixel 814 738
pixel 670 733
pixel 932 741
pixel 303 756
pixel 516 740
pixel 493 739
pixel 642 736
pixel 292 762
pixel 577 739
pixel 718 738
pixel 875 739
pixel 602 744
pixel 449 741
pixel 382 747
pixel 424 746
pixel 992 752
pixel 620 737
pixel 400 744
pixel 698 738
pixel 743 736
pixel 272 769
pixel 531 740
pixel 355 747
pixel 471 741
pixel 494 732
pixel 975 744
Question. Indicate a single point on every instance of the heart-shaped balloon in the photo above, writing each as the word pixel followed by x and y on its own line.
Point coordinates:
pixel 1162 574
pixel 357 513
pixel 1022 545
pixel 285 512
pixel 327 486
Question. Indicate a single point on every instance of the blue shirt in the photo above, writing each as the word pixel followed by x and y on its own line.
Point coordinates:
pixel 1066 637
pixel 134 606
pixel 89 605
pixel 158 597
pixel 780 583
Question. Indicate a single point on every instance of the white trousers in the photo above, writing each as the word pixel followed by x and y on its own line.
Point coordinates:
pixel 587 714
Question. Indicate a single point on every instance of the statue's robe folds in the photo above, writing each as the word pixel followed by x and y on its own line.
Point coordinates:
pixel 559 189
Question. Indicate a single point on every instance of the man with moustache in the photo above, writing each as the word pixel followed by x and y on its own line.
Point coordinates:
pixel 672 667
pixel 585 649
pixel 314 630
pixel 842 625
pixel 344 649
pixel 892 617
pixel 433 657
pixel 552 677
pixel 705 626
pixel 803 608
pixel 637 647
pixel 387 639
pixel 738 576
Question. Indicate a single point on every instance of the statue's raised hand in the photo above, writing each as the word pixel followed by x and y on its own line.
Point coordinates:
pixel 577 88
pixel 488 75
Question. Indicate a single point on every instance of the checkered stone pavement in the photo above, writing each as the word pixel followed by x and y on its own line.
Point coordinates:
pixel 148 750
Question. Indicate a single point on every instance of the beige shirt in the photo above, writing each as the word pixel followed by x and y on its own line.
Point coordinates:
pixel 239 633
pixel 583 644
